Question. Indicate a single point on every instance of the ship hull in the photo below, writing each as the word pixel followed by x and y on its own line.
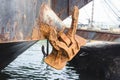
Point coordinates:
pixel 10 51
pixel 98 60
pixel 99 35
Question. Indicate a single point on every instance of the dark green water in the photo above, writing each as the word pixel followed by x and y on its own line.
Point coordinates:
pixel 30 66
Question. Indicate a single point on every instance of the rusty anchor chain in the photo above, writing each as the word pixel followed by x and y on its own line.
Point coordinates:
pixel 65 44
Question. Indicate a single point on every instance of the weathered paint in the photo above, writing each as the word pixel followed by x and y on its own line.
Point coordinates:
pixel 18 17
pixel 97 35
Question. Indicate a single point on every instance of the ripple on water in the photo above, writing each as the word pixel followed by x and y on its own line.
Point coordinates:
pixel 30 65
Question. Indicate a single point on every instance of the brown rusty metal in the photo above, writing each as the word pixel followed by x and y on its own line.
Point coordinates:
pixel 65 44
pixel 99 35
pixel 18 18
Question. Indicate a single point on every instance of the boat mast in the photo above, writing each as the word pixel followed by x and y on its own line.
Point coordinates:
pixel 92 15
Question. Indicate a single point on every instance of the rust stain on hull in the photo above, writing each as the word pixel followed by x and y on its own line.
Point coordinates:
pixel 95 35
pixel 17 23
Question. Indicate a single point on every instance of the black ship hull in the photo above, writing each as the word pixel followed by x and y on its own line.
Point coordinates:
pixel 96 60
pixel 10 51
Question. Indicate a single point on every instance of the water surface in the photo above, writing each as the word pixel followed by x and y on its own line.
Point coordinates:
pixel 30 65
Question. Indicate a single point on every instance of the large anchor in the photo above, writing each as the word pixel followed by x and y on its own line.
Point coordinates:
pixel 66 43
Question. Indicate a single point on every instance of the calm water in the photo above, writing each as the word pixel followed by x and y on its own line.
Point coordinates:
pixel 30 65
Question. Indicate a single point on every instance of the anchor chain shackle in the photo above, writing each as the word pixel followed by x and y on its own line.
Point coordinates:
pixel 65 45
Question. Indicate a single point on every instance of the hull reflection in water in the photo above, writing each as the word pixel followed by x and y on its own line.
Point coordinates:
pixel 30 65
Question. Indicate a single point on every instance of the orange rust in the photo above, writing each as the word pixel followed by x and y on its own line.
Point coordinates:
pixel 35 33
pixel 56 59
pixel 45 29
pixel 75 14
pixel 49 33
pixel 64 38
pixel 65 45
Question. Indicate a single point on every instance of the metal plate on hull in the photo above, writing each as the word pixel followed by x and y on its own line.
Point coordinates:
pixel 18 17
pixel 97 35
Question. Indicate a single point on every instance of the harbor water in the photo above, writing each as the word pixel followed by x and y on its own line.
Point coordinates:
pixel 30 66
